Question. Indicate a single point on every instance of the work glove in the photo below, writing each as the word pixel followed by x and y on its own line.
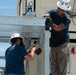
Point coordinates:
pixel 48 22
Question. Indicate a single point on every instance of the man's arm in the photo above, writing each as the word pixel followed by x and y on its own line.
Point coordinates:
pixel 31 54
pixel 58 27
pixel 54 26
pixel 46 15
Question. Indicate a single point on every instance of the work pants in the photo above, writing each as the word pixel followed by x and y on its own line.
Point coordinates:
pixel 60 58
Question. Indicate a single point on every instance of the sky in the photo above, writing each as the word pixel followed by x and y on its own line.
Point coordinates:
pixel 8 7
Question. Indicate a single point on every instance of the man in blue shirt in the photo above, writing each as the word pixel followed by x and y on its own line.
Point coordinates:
pixel 16 54
pixel 60 37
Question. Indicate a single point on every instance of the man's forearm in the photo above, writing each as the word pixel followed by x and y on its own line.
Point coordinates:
pixel 58 27
pixel 32 52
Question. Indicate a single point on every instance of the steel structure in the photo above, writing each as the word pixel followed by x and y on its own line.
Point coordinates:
pixel 28 27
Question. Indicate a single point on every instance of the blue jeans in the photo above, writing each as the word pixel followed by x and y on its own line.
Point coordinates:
pixel 29 10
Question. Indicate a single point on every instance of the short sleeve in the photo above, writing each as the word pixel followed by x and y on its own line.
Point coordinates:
pixel 67 22
pixel 23 51
pixel 52 12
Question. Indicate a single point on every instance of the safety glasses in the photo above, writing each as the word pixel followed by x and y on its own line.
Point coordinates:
pixel 60 9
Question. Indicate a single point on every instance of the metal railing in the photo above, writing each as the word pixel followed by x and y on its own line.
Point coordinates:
pixel 2 68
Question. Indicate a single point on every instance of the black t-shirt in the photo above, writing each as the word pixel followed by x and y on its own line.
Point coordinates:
pixel 14 57
pixel 59 37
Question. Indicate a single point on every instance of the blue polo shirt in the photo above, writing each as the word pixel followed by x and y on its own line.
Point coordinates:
pixel 59 37
pixel 14 57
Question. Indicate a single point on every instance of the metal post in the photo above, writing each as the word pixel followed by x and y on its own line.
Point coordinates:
pixel 47 49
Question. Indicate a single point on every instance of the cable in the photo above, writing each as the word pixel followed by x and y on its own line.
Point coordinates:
pixel 73 12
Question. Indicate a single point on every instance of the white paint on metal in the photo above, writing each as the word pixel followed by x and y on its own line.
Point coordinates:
pixel 47 50
pixel 21 20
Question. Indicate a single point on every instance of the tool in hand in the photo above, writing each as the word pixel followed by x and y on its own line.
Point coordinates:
pixel 38 50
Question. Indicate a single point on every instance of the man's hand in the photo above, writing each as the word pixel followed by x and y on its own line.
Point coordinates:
pixel 48 22
pixel 30 56
pixel 31 48
pixel 58 27
pixel 46 16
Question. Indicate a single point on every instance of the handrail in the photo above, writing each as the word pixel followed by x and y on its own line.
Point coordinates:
pixel 2 57
pixel 2 68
